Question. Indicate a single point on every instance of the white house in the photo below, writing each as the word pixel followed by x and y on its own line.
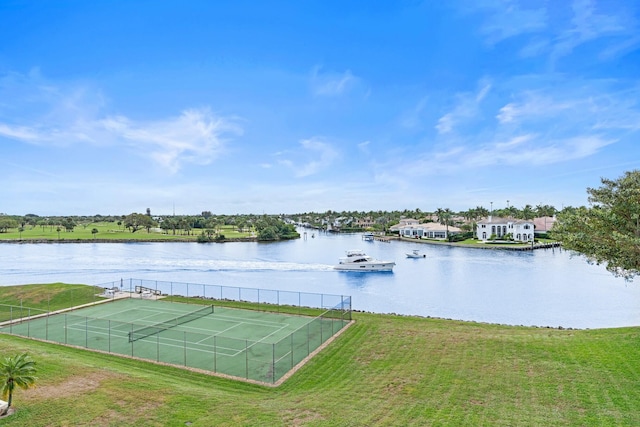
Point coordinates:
pixel 431 230
pixel 520 230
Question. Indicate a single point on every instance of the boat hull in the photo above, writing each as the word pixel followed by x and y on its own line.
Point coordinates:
pixel 383 266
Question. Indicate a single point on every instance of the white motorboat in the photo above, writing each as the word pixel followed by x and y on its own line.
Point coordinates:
pixel 415 254
pixel 356 260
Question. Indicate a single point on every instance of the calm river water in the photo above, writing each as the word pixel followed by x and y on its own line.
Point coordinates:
pixel 534 288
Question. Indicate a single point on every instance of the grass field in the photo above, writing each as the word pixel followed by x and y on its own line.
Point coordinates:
pixel 48 297
pixel 383 371
pixel 109 231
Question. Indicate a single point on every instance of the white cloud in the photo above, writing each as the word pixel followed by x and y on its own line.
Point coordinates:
pixel 332 84
pixel 326 154
pixel 532 105
pixel 545 120
pixel 545 28
pixel 67 115
pixel 317 155
pixel 364 146
pixel 466 107
pixel 196 136
pixel 506 19
pixel 587 25
pixel 445 123
pixel 20 132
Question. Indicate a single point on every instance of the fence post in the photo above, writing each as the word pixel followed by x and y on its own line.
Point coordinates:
pixel 215 353
pixel 185 348
pixel 29 322
pixel 109 336
pixel 246 358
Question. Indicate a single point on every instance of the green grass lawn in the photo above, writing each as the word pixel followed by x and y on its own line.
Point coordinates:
pixel 110 231
pixel 49 296
pixel 385 370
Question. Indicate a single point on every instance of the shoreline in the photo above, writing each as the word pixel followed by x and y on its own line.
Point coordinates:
pixel 502 247
pixel 49 241
pixel 507 247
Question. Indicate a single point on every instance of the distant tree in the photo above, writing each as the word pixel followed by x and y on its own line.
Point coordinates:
pixel 608 232
pixel 545 210
pixel 94 232
pixel 444 218
pixel 528 212
pixel 7 223
pixel 136 221
pixel 68 223
pixel 16 371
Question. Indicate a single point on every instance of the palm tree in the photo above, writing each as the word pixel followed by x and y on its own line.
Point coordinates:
pixel 16 371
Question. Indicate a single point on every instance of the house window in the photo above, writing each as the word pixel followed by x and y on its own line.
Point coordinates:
pixel 484 236
pixel 526 226
pixel 493 229
pixel 518 236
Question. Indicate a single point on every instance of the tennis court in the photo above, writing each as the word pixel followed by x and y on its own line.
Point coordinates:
pixel 261 346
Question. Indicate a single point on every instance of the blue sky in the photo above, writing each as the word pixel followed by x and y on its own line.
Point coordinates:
pixel 294 106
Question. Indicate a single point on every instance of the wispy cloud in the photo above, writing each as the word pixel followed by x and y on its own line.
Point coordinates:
pixel 531 105
pixel 507 18
pixel 545 120
pixel 196 137
pixel 546 28
pixel 317 155
pixel 326 83
pixel 71 115
pixel 587 25
pixel 466 107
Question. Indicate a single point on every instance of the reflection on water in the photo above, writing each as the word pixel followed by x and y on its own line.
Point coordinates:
pixel 542 287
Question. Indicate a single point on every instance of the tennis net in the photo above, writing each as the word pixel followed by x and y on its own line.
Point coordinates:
pixel 168 324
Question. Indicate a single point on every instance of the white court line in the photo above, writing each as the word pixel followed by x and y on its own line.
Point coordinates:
pixel 235 318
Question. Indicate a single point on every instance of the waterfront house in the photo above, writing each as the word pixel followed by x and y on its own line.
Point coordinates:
pixel 430 230
pixel 500 228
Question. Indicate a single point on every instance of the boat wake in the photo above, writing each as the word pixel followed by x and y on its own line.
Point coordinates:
pixel 236 265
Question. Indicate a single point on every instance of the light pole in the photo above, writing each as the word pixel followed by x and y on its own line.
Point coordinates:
pixel 491 211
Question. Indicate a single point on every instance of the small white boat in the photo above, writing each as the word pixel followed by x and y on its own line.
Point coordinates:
pixel 368 237
pixel 356 260
pixel 415 254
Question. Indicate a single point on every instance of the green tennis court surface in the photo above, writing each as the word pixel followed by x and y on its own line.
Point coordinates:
pixel 256 345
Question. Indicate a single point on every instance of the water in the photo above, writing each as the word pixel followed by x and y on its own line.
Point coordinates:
pixel 534 288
